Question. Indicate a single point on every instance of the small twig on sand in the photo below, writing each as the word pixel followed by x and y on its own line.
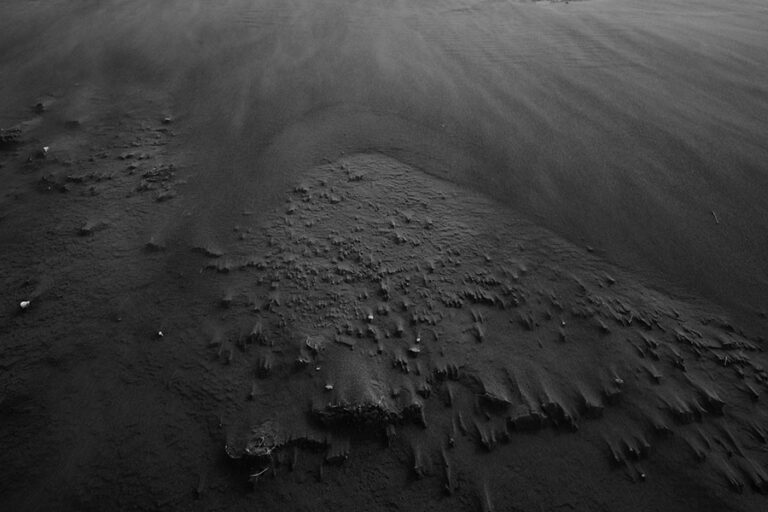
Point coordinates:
pixel 715 216
pixel 255 477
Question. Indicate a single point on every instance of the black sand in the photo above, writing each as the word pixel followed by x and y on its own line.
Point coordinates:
pixel 470 256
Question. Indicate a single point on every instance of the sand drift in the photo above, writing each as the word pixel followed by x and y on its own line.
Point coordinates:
pixel 389 303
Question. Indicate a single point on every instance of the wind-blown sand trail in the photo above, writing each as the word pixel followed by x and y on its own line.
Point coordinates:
pixel 383 255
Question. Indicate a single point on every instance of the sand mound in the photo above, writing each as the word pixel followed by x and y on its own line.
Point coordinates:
pixel 390 304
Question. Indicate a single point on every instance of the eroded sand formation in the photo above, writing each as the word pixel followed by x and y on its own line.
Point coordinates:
pixel 390 304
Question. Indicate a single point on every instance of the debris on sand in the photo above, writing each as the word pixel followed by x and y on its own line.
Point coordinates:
pixel 42 152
